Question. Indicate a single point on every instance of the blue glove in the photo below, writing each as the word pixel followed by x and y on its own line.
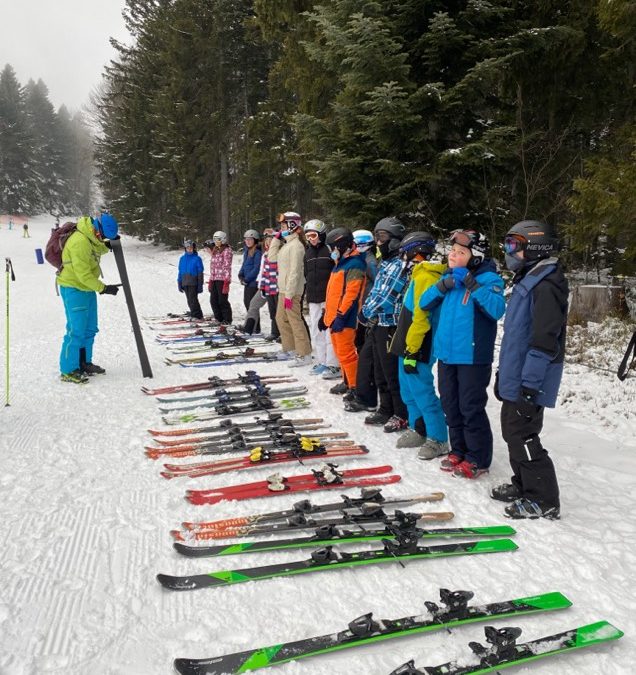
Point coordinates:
pixel 199 289
pixel 459 274
pixel 338 324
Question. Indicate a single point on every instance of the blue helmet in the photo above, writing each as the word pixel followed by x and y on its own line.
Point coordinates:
pixel 106 225
pixel 363 239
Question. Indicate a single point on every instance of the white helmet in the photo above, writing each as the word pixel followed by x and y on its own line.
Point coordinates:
pixel 315 225
pixel 291 219
pixel 363 240
pixel 251 234
pixel 219 235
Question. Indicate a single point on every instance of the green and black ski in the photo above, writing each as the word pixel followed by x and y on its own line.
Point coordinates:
pixel 504 652
pixel 326 558
pixel 330 534
pixel 367 630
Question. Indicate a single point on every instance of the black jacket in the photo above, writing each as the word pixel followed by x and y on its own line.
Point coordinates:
pixel 318 266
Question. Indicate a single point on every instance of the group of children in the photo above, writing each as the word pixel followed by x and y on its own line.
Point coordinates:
pixel 384 307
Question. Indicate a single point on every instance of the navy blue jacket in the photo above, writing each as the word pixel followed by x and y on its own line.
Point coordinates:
pixel 468 319
pixel 250 267
pixel 533 345
pixel 190 271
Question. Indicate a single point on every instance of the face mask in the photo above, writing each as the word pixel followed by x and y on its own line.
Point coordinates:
pixel 285 233
pixel 335 255
pixel 384 249
pixel 513 263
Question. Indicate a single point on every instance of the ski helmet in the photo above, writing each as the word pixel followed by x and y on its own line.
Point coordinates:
pixel 315 225
pixel 189 243
pixel 418 242
pixel 395 229
pixel 108 226
pixel 219 235
pixel 363 239
pixel 252 234
pixel 339 238
pixel 536 239
pixel 290 219
pixel 476 242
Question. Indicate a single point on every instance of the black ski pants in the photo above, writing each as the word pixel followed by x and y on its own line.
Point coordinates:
pixel 532 467
pixel 386 372
pixel 193 301
pixel 220 303
pixel 366 390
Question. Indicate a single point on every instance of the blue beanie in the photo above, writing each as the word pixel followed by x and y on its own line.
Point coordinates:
pixel 109 226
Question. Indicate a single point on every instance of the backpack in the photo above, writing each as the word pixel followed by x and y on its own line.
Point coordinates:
pixel 55 244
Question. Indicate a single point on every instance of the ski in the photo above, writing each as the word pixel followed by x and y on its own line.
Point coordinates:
pixel 330 534
pixel 260 404
pixel 366 629
pixel 504 652
pixel 247 353
pixel 278 483
pixel 368 498
pixel 214 382
pixel 271 420
pixel 231 397
pixel 210 346
pixel 327 558
pixel 269 491
pixel 265 458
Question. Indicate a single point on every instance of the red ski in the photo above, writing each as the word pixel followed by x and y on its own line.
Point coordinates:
pixel 246 462
pixel 304 483
pixel 217 382
pixel 260 423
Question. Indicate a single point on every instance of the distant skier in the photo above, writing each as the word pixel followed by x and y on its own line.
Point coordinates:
pixel 25 231
pixel 530 367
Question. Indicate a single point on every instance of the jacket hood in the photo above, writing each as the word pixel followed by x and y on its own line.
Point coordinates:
pixel 427 267
pixel 488 265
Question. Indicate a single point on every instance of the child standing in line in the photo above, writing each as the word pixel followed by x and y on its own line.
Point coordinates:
pixel 248 274
pixel 190 277
pixel 413 344
pixel 471 297
pixel 220 277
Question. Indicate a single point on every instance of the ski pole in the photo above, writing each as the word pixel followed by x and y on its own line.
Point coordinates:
pixel 10 276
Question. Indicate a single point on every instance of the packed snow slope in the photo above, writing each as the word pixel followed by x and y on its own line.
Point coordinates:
pixel 86 516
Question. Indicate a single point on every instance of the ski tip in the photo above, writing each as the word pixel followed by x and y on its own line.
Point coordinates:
pixel 177 534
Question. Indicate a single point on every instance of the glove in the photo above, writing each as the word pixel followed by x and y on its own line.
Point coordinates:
pixel 288 303
pixel 338 324
pixel 322 326
pixel 526 406
pixel 362 319
pixel 226 287
pixel 445 284
pixel 242 280
pixel 107 244
pixel 459 274
pixel 110 289
pixel 495 388
pixel 210 284
pixel 470 282
pixel 200 289
pixel 278 235
pixel 410 364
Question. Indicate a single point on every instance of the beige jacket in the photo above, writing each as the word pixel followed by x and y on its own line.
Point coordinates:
pixel 291 267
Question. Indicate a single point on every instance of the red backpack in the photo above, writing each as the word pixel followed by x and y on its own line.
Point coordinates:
pixel 55 244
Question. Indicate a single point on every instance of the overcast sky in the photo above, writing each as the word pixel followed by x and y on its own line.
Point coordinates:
pixel 63 42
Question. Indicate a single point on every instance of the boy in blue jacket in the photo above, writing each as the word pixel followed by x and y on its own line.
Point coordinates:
pixel 471 297
pixel 530 367
pixel 190 277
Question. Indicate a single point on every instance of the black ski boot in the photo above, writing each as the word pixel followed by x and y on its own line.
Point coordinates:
pixel 249 326
pixel 89 368
pixel 506 492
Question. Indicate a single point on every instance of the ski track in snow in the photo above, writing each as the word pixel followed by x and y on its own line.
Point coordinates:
pixel 86 516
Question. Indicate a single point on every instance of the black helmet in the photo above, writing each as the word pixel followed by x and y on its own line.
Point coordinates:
pixel 339 237
pixel 536 239
pixel 418 242
pixel 475 241
pixel 395 228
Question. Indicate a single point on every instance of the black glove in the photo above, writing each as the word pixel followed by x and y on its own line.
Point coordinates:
pixel 470 282
pixel 110 289
pixel 445 284
pixel 526 403
pixel 322 326
pixel 107 244
pixel 410 364
pixel 495 388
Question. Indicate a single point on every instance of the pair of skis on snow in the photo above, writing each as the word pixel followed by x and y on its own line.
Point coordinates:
pixel 214 382
pixel 455 611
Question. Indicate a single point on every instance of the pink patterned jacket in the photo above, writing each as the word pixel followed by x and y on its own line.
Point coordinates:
pixel 221 264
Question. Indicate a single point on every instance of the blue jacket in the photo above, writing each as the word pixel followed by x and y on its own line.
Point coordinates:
pixel 533 344
pixel 190 271
pixel 385 299
pixel 250 267
pixel 468 320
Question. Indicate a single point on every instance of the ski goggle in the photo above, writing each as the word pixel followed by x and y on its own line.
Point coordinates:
pixel 462 237
pixel 514 243
pixel 291 223
pixel 312 235
pixel 382 236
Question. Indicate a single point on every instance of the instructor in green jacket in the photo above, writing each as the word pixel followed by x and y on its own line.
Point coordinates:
pixel 79 284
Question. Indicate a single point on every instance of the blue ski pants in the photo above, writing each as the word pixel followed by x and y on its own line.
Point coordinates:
pixel 81 327
pixel 421 400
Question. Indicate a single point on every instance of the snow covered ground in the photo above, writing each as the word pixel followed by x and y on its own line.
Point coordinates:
pixel 86 516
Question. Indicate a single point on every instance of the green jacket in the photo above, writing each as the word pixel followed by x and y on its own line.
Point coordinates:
pixel 80 259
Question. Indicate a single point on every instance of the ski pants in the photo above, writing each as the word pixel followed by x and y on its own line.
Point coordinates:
pixel 293 329
pixel 321 345
pixel 254 311
pixel 248 293
pixel 463 391
pixel 532 468
pixel 345 349
pixel 422 402
pixel 80 308
pixel 219 302
pixel 385 369
pixel 366 390
pixel 193 301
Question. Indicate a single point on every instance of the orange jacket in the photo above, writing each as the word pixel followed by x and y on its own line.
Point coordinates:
pixel 345 289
